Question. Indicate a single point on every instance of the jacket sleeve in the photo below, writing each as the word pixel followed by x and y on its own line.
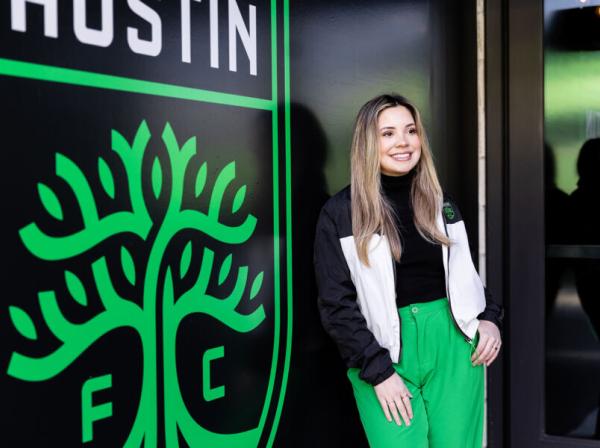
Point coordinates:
pixel 339 311
pixel 493 312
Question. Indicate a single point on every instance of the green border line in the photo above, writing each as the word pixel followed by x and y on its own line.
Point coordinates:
pixel 276 247
pixel 288 219
pixel 71 76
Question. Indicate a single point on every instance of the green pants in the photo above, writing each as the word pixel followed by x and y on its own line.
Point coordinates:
pixel 435 364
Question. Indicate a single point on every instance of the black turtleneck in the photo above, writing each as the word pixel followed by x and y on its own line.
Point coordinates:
pixel 420 274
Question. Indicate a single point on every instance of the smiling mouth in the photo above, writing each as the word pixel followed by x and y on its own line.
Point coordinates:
pixel 401 157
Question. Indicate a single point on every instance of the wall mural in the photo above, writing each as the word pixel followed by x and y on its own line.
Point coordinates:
pixel 147 298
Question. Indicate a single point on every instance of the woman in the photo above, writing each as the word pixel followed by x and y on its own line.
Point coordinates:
pixel 398 291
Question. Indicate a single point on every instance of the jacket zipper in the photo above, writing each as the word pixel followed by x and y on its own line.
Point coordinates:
pixel 399 318
pixel 467 338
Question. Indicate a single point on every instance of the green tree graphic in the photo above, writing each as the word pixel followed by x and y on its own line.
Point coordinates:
pixel 118 311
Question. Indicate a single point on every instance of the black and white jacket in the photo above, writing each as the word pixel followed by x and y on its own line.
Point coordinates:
pixel 357 303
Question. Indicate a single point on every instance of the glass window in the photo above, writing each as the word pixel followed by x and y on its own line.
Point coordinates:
pixel 572 216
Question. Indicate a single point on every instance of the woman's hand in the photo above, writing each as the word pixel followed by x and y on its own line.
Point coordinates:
pixel 395 397
pixel 489 343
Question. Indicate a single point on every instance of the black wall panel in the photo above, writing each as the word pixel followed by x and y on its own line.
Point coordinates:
pixel 342 54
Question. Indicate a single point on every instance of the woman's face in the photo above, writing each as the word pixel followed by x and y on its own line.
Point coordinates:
pixel 399 143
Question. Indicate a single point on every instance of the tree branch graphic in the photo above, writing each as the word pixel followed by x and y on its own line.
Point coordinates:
pixel 118 311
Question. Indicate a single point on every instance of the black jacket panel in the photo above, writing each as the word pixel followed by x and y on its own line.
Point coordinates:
pixel 494 312
pixel 340 314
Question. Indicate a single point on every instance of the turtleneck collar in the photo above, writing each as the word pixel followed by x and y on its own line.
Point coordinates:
pixel 393 183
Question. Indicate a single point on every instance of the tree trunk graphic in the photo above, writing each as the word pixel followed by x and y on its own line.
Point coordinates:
pixel 120 311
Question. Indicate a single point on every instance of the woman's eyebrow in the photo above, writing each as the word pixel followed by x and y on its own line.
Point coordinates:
pixel 394 127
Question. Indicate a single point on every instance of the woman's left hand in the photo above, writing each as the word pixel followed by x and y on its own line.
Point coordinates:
pixel 489 344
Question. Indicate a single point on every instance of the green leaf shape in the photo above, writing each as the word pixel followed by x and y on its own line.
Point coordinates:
pixel 238 200
pixel 156 178
pixel 106 178
pixel 200 179
pixel 256 285
pixel 118 142
pixel 225 268
pixel 22 322
pixel 76 288
pixel 186 258
pixel 50 201
pixel 128 265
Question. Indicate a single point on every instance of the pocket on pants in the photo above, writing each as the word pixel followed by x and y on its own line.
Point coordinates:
pixel 473 345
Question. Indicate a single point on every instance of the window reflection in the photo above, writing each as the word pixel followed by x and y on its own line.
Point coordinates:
pixel 572 217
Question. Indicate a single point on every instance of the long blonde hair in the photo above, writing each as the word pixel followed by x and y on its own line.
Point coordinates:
pixel 371 211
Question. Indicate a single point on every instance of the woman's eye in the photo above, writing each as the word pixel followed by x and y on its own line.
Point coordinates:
pixel 412 131
pixel 387 134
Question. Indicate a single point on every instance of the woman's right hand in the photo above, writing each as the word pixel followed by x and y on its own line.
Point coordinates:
pixel 394 397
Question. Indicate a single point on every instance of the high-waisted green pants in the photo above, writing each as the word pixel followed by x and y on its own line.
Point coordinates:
pixel 435 365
